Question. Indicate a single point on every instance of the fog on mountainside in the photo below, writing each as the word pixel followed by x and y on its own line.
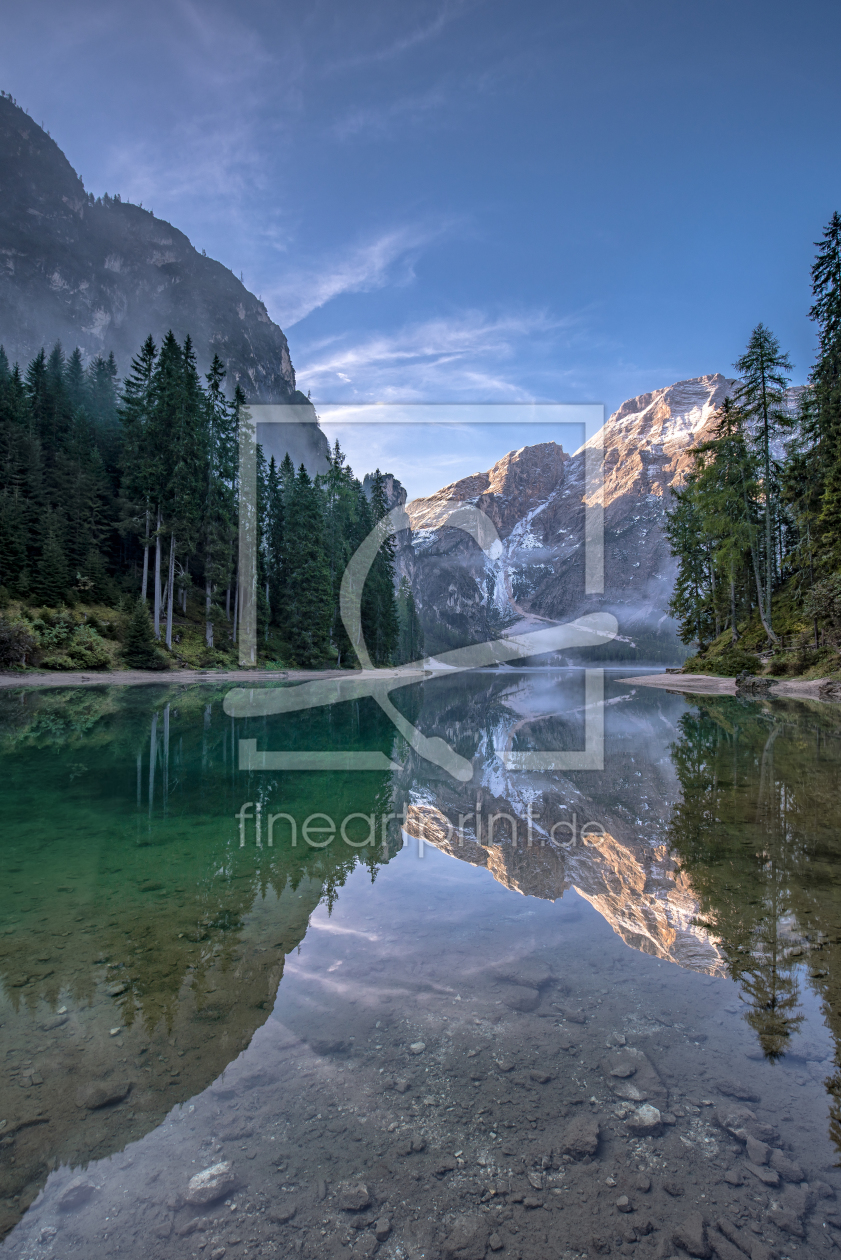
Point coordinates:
pixel 535 497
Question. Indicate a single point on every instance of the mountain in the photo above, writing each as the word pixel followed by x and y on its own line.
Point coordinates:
pixel 535 497
pixel 102 274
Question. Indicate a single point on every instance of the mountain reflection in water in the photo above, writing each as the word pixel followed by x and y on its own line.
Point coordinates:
pixel 144 943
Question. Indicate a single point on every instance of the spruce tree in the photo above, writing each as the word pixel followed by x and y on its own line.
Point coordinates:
pixel 140 650
pixel 761 398
pixel 51 578
pixel 825 381
pixel 379 607
pixel 308 593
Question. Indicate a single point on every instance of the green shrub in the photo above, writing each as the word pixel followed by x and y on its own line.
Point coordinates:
pixel 87 649
pixel 727 664
pixel 17 642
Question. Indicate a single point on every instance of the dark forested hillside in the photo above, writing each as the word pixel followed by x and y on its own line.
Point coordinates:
pixel 119 519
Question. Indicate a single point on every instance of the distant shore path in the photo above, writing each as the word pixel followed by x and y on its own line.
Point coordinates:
pixel 186 677
pixel 709 684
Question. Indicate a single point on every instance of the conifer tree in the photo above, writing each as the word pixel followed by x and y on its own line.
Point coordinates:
pixel 761 398
pixel 308 593
pixel 825 426
pixel 140 650
pixel 379 607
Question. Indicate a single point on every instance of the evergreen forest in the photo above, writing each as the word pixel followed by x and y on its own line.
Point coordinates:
pixel 119 526
pixel 756 527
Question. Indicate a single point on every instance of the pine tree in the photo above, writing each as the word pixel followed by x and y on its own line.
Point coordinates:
pixel 51 578
pixel 308 593
pixel 761 398
pixel 380 624
pixel 825 427
pixel 140 650
pixel 137 460
pixel 410 643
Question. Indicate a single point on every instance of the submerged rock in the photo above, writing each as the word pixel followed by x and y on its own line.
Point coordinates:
pixel 517 997
pixel 692 1236
pixel 581 1137
pixel 75 1193
pixel 211 1184
pixel 645 1121
pixel 353 1196
pixel 102 1094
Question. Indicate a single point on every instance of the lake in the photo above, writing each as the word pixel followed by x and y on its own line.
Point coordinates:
pixel 251 1008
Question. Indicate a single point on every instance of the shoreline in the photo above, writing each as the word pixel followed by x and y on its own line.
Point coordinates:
pixel 711 684
pixel 187 677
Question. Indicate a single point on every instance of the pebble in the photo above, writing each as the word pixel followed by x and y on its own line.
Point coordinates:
pixel 417 1047
pixel 382 1229
pixel 211 1184
pixel 353 1196
pixel 645 1121
pixel 75 1193
pixel 519 998
pixel 692 1235
pixel 102 1094
pixel 768 1176
pixel 623 1203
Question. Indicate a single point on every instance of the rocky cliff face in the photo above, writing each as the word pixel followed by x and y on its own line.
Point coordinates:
pixel 103 274
pixel 536 498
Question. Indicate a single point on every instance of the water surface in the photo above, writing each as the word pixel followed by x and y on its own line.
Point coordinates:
pixel 446 1042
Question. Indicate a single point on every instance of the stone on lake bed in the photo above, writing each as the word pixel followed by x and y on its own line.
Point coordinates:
pixel 768 1176
pixel 787 1168
pixel 646 1120
pixel 281 1213
pixel 75 1193
pixel 517 997
pixel 735 1089
pixel 692 1236
pixel 353 1196
pixel 211 1184
pixel 417 1047
pixel 102 1094
pixel 581 1137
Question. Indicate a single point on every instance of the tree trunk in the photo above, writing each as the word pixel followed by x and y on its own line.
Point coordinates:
pixel 158 578
pixel 766 625
pixel 228 604
pixel 734 634
pixel 145 561
pixel 236 607
pixel 208 595
pixel 170 591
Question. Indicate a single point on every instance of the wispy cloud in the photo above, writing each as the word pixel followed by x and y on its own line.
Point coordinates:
pixel 444 358
pixel 387 259
pixel 385 119
pixel 420 33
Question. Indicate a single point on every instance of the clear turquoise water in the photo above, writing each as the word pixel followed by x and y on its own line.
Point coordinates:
pixel 156 959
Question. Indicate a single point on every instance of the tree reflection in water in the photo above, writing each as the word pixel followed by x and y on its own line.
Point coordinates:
pixel 756 831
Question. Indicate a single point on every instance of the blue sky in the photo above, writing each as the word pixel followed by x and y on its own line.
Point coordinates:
pixel 470 200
